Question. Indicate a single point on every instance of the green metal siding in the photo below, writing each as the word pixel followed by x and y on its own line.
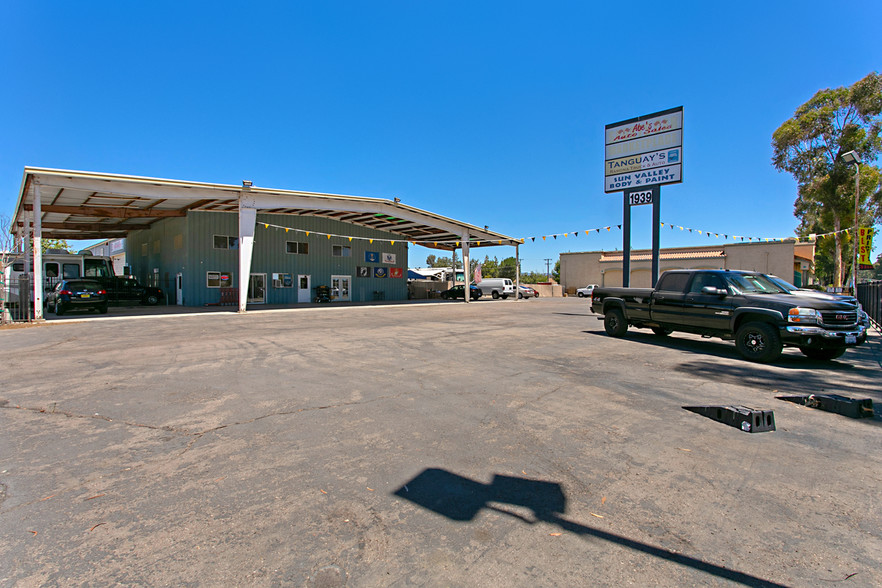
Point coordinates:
pixel 198 256
pixel 168 260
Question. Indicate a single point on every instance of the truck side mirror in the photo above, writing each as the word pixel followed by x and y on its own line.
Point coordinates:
pixel 713 290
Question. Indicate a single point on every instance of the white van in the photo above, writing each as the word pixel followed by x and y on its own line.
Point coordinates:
pixel 497 287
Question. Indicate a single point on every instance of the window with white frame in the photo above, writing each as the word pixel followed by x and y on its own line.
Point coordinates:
pixel 219 279
pixel 297 247
pixel 226 242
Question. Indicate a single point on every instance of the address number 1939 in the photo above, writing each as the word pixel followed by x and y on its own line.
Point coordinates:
pixel 637 198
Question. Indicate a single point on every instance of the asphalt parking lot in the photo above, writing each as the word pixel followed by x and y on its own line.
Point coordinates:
pixel 498 443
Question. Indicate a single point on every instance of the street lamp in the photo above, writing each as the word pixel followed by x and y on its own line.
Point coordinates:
pixel 853 158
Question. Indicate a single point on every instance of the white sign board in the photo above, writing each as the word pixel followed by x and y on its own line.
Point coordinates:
pixel 644 151
pixel 643 178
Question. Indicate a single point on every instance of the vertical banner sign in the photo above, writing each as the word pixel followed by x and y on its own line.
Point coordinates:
pixel 865 245
pixel 644 151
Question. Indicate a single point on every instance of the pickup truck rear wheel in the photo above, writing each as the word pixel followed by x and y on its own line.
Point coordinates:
pixel 824 354
pixel 614 323
pixel 758 342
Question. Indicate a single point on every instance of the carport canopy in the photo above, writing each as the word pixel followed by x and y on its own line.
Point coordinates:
pixel 78 205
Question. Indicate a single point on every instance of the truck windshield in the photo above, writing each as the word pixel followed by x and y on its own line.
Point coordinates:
pixel 754 284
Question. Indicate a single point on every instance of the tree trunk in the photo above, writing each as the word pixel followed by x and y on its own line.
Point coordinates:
pixel 837 255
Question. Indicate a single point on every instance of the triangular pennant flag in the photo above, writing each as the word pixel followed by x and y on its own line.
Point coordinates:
pixel 350 239
pixel 543 237
pixel 307 233
pixel 393 242
pixel 565 235
pixel 533 239
pixel 576 234
pixel 286 229
pixel 555 237
pixel 329 236
pixel 618 226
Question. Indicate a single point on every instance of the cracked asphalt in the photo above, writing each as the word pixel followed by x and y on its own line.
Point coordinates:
pixel 498 443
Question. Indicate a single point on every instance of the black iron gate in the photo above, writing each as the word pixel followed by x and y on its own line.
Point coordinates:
pixel 869 294
pixel 16 296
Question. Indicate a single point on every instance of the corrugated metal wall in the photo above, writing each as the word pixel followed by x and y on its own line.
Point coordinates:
pixel 155 256
pixel 198 255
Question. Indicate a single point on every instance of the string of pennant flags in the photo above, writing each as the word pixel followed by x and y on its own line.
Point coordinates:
pixel 554 236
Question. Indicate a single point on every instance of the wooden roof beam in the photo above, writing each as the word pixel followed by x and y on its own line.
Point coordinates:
pixel 113 212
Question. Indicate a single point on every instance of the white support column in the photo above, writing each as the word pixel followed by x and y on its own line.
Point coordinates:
pixel 38 255
pixel 465 267
pixel 517 272
pixel 247 222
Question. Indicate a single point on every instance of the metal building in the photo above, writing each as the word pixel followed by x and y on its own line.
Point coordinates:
pixel 197 240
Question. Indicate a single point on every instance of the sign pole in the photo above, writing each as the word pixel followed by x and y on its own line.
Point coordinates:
pixel 626 239
pixel 656 224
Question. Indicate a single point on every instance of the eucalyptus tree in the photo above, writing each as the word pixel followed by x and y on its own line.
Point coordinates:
pixel 810 146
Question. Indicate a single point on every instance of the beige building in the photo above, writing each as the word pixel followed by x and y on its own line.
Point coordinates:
pixel 789 260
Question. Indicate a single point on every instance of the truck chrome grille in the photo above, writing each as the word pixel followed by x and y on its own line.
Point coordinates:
pixel 839 318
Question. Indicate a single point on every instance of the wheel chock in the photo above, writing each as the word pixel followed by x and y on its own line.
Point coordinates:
pixel 855 408
pixel 747 419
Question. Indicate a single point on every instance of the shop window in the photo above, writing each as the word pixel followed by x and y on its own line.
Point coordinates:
pixel 226 242
pixel 219 279
pixel 297 247
pixel 283 281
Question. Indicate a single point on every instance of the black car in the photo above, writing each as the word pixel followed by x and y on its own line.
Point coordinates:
pixel 459 292
pixel 78 294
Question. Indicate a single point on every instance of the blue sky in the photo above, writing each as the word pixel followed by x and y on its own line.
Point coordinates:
pixel 491 113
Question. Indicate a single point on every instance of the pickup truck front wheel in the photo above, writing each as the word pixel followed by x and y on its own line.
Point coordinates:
pixel 758 342
pixel 614 323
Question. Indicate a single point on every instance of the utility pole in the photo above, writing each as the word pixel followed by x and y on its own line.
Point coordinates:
pixel 548 268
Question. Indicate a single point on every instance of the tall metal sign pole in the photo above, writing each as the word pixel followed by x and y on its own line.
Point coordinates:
pixel 641 155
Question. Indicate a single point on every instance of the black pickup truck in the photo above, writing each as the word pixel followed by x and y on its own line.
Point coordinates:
pixel 126 290
pixel 749 307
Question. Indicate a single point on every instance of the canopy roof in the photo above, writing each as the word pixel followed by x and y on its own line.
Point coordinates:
pixel 88 205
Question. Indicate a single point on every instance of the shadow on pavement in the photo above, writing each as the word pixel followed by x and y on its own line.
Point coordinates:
pixel 460 499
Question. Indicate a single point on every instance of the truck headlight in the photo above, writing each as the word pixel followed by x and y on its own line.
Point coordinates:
pixel 803 315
